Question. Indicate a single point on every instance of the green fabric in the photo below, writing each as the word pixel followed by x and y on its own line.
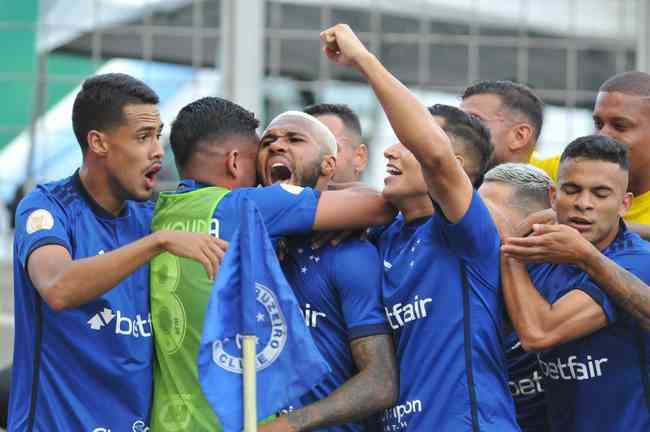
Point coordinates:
pixel 180 290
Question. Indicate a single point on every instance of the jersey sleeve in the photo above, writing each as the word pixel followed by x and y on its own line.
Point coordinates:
pixel 356 271
pixel 40 221
pixel 589 287
pixel 474 236
pixel 286 209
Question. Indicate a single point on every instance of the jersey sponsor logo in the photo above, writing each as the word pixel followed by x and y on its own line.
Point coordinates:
pixel 394 418
pixel 194 225
pixel 527 386
pixel 139 426
pixel 176 414
pixel 573 369
pixel 292 189
pixel 226 353
pixel 401 314
pixel 123 325
pixel 38 220
pixel 311 315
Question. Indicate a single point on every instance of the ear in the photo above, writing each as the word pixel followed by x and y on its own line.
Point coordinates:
pixel 552 194
pixel 97 143
pixel 232 163
pixel 460 160
pixel 626 204
pixel 522 134
pixel 360 158
pixel 328 166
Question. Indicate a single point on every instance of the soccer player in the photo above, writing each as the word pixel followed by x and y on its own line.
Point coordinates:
pixel 352 153
pixel 592 353
pixel 622 112
pixel 441 278
pixel 83 346
pixel 516 190
pixel 515 115
pixel 215 149
pixel 341 305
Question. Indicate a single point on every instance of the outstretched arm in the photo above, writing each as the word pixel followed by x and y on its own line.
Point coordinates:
pixel 66 283
pixel 373 388
pixel 448 184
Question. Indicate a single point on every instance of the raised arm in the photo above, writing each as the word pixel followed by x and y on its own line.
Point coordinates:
pixel 448 184
pixel 66 283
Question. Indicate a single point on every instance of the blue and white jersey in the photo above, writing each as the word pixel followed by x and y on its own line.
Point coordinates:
pixel 86 368
pixel 442 295
pixel 339 292
pixel 600 382
pixel 526 381
pixel 286 210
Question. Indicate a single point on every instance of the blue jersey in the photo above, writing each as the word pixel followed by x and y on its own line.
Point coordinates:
pixel 86 368
pixel 442 295
pixel 600 381
pixel 339 291
pixel 525 382
pixel 286 210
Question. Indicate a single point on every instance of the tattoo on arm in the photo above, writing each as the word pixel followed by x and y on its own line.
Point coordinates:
pixel 630 292
pixel 373 388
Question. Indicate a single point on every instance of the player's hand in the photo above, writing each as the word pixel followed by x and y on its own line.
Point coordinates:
pixel 342 46
pixel 525 227
pixel 549 243
pixel 204 248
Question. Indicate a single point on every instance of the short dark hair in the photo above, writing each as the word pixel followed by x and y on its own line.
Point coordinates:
pixel 515 97
pixel 468 128
pixel 349 118
pixel 99 105
pixel 633 83
pixel 597 147
pixel 210 119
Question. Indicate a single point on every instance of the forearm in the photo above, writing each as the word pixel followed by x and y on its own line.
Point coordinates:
pixel 408 117
pixel 526 307
pixel 354 208
pixel 628 291
pixel 86 279
pixel 372 389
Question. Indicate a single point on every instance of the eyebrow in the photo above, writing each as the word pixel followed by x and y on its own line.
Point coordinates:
pixel 148 128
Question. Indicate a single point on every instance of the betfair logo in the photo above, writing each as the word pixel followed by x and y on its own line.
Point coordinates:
pixel 401 314
pixel 124 325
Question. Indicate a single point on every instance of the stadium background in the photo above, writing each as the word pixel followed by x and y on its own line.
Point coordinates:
pixel 265 55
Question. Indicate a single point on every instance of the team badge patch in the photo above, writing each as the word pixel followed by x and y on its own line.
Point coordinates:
pixel 40 219
pixel 292 189
pixel 272 336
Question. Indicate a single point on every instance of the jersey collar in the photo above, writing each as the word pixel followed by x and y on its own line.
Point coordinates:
pixel 188 185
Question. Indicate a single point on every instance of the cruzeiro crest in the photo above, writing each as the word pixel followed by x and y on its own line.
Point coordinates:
pixel 271 335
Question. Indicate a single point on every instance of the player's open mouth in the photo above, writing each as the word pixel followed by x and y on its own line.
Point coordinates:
pixel 393 170
pixel 280 172
pixel 581 224
pixel 150 175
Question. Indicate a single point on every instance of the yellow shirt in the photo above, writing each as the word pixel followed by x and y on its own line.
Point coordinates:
pixel 639 212
pixel 550 165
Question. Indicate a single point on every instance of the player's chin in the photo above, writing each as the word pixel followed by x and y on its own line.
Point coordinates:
pixel 142 193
